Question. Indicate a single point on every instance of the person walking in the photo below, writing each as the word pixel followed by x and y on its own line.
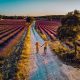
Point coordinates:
pixel 37 47
pixel 45 46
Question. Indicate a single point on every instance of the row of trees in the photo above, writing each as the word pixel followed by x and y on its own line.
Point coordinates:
pixel 29 19
pixel 49 17
pixel 11 17
pixel 70 28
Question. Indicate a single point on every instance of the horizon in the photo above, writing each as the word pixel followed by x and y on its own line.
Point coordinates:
pixel 37 7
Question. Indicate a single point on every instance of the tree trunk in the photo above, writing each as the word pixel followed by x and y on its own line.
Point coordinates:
pixel 75 46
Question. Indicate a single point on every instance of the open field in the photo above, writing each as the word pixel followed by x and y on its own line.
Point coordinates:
pixel 11 32
pixel 48 31
pixel 12 35
pixel 39 39
pixel 18 57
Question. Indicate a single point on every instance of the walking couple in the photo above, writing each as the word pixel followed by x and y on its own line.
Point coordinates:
pixel 38 46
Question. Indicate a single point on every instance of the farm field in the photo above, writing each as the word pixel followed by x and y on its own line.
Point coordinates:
pixel 39 39
pixel 12 35
pixel 11 32
pixel 19 60
pixel 48 31
pixel 48 27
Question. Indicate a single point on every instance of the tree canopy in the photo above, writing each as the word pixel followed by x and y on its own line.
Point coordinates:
pixel 70 27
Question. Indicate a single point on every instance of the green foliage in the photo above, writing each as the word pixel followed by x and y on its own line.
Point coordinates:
pixel 29 19
pixel 70 28
pixel 11 17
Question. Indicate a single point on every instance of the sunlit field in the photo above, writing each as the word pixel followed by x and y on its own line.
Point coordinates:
pixel 11 32
pixel 19 58
pixel 39 40
pixel 12 35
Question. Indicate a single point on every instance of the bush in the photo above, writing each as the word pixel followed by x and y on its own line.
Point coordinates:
pixel 69 55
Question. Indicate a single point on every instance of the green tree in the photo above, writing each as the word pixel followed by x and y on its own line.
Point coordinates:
pixel 69 29
pixel 29 19
pixel 76 12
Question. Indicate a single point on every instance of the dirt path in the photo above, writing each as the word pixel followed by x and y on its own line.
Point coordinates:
pixel 47 67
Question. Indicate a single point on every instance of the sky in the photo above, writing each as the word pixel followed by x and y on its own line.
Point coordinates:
pixel 38 7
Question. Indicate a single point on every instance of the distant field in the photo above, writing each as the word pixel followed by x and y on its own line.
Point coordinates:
pixel 11 32
pixel 49 28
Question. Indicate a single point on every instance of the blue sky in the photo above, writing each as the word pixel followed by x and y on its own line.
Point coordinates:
pixel 37 7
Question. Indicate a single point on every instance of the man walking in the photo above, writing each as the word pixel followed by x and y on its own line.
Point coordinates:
pixel 45 46
pixel 37 47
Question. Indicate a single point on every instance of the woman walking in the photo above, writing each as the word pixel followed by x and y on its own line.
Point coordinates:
pixel 37 47
pixel 45 46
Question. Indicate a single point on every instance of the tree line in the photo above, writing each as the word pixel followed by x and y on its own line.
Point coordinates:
pixel 11 17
